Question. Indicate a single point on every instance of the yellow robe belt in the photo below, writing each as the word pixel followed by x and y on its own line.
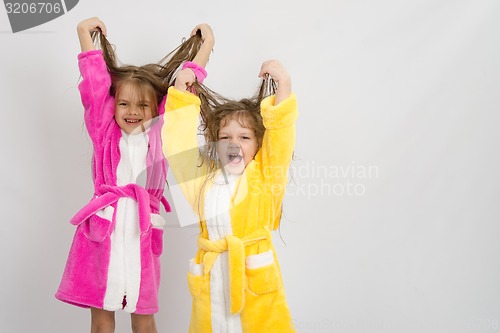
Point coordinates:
pixel 236 253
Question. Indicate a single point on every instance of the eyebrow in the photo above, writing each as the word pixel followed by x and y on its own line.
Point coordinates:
pixel 242 133
pixel 145 101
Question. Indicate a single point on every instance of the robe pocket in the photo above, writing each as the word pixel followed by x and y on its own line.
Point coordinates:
pixel 98 226
pixel 157 234
pixel 196 279
pixel 262 273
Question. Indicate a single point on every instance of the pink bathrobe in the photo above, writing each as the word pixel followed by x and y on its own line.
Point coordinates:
pixel 84 282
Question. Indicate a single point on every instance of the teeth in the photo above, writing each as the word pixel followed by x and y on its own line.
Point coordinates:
pixel 132 121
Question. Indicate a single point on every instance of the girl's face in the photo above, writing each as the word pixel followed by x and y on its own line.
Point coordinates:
pixel 236 146
pixel 132 114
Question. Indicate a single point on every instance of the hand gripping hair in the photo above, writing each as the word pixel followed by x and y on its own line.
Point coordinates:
pixel 152 80
pixel 217 110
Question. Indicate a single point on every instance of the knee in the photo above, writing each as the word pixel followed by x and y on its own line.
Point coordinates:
pixel 143 324
pixel 103 326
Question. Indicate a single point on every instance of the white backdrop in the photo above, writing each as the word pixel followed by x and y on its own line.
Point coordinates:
pixel 392 218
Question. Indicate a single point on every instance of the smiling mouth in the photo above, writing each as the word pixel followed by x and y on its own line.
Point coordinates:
pixel 235 158
pixel 132 121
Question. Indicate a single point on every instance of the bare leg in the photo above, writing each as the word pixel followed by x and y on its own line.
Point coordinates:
pixel 143 323
pixel 102 321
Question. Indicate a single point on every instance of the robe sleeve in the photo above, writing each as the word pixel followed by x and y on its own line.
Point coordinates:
pixel 276 152
pixel 94 93
pixel 180 143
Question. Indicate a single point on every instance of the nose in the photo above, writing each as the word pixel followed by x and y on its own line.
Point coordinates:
pixel 233 145
pixel 233 148
pixel 134 110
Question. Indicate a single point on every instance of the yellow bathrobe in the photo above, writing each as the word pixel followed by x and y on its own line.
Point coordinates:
pixel 256 294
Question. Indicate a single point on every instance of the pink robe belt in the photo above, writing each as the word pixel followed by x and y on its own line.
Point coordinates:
pixel 110 194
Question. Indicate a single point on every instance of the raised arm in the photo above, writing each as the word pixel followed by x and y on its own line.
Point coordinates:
pixel 180 139
pixel 85 29
pixel 207 36
pixel 96 81
pixel 279 113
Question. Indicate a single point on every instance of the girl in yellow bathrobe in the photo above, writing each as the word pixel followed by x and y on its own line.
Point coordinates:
pixel 236 185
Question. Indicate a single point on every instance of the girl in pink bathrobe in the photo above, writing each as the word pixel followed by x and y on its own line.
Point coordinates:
pixel 114 261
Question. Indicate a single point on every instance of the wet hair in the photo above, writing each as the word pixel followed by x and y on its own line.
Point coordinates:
pixel 217 111
pixel 151 80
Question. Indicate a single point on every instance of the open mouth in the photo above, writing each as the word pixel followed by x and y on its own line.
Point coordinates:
pixel 235 158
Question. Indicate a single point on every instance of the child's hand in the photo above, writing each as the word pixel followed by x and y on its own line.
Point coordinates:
pixel 276 70
pixel 280 75
pixel 85 28
pixel 184 79
pixel 92 24
pixel 207 34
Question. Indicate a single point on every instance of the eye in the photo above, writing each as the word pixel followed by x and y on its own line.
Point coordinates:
pixel 122 104
pixel 144 105
pixel 245 137
pixel 224 137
